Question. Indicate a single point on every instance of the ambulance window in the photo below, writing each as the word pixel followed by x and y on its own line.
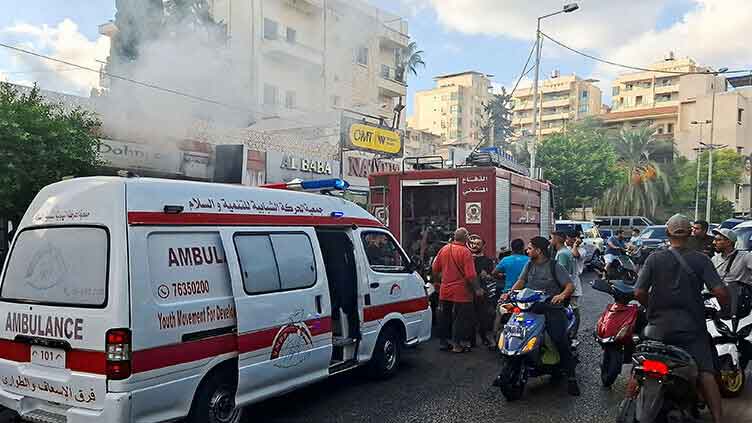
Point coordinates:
pixel 297 266
pixel 59 266
pixel 257 263
pixel 383 253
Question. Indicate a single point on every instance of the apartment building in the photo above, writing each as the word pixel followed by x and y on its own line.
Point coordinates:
pixel 313 56
pixel 655 96
pixel 421 143
pixel 454 109
pixel 562 99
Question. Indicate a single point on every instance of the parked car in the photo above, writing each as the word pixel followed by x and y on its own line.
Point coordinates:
pixel 731 223
pixel 626 223
pixel 649 240
pixel 605 233
pixel 744 235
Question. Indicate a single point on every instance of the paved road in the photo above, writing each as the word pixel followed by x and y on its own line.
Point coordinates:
pixel 435 386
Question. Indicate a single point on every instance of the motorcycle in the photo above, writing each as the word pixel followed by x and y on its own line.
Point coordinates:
pixel 525 348
pixel 664 383
pixel 733 343
pixel 616 327
pixel 622 268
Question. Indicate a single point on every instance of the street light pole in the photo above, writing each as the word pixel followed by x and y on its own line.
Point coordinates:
pixel 712 133
pixel 568 8
pixel 699 162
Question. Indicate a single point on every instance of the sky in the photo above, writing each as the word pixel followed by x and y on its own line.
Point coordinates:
pixel 490 36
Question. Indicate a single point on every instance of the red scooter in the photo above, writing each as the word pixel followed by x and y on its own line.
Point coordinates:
pixel 615 328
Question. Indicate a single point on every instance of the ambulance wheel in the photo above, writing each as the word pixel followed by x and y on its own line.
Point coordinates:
pixel 386 354
pixel 215 402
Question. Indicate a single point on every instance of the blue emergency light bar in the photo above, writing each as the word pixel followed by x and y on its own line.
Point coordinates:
pixel 324 184
pixel 315 185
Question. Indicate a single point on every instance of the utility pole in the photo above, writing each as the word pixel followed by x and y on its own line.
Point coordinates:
pixel 699 150
pixel 710 155
pixel 534 126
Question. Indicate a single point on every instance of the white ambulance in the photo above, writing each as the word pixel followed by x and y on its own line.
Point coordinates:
pixel 146 300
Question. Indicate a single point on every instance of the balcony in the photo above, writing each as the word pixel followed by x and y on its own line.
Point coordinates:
pixel 666 89
pixel 279 46
pixel 393 37
pixel 556 116
pixel 308 7
pixel 390 82
pixel 556 102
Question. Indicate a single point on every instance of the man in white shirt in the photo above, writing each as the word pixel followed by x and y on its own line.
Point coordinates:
pixel 735 269
pixel 574 243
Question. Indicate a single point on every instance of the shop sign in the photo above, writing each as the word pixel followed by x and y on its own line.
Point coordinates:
pixel 123 155
pixel 319 167
pixel 359 135
pixel 361 167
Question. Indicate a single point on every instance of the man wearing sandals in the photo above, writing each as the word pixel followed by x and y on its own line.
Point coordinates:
pixel 454 267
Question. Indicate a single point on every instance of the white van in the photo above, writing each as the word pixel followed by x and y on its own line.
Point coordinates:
pixel 145 300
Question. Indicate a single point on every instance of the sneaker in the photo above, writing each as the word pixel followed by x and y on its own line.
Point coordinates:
pixel 573 388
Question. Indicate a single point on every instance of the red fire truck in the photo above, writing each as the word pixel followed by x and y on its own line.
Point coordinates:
pixel 423 206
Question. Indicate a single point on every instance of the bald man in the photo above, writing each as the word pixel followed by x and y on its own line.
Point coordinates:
pixel 454 267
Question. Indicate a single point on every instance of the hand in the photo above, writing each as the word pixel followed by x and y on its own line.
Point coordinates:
pixel 504 297
pixel 558 299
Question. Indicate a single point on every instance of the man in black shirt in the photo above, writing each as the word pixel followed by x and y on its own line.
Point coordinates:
pixel 701 241
pixel 484 306
pixel 670 285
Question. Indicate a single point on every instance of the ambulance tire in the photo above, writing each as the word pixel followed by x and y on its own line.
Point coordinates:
pixel 386 354
pixel 214 401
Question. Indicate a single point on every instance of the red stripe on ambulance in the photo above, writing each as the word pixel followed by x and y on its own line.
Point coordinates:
pixel 220 219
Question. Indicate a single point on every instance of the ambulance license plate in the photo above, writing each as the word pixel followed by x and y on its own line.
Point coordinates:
pixel 48 357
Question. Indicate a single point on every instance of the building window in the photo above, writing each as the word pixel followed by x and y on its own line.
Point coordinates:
pixel 585 95
pixel 271 29
pixel 361 56
pixel 291 35
pixel 659 130
pixel 584 108
pixel 638 100
pixel 290 99
pixel 385 71
pixel 670 128
pixel 335 100
pixel 454 96
pixel 628 87
pixel 739 115
pixel 271 94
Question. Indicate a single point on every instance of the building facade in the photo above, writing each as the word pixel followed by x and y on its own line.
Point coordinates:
pixel 562 99
pixel 454 109
pixel 302 57
pixel 421 143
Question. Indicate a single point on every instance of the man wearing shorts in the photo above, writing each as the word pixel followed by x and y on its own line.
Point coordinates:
pixel 615 247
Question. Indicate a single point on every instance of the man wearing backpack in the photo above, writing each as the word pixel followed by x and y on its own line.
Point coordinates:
pixel 544 274
pixel 670 285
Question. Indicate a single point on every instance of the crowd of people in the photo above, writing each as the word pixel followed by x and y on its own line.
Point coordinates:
pixel 470 285
pixel 669 287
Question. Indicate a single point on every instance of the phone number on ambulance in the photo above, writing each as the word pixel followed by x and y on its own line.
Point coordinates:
pixel 186 289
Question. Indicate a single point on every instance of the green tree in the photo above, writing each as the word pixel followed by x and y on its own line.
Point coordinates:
pixel 727 171
pixel 40 143
pixel 580 162
pixel 643 185
pixel 497 117
pixel 410 59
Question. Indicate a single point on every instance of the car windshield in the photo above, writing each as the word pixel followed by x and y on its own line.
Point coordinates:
pixel 744 238
pixel 654 233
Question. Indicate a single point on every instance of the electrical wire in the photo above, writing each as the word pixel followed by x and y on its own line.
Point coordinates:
pixel 38 71
pixel 637 68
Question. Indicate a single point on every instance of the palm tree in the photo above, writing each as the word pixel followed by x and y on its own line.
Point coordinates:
pixel 410 59
pixel 643 185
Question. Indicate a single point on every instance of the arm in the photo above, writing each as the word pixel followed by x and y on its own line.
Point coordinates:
pixel 565 280
pixel 715 285
pixel 644 281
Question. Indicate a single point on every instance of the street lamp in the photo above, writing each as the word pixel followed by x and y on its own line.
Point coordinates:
pixel 699 161
pixel 712 132
pixel 568 8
